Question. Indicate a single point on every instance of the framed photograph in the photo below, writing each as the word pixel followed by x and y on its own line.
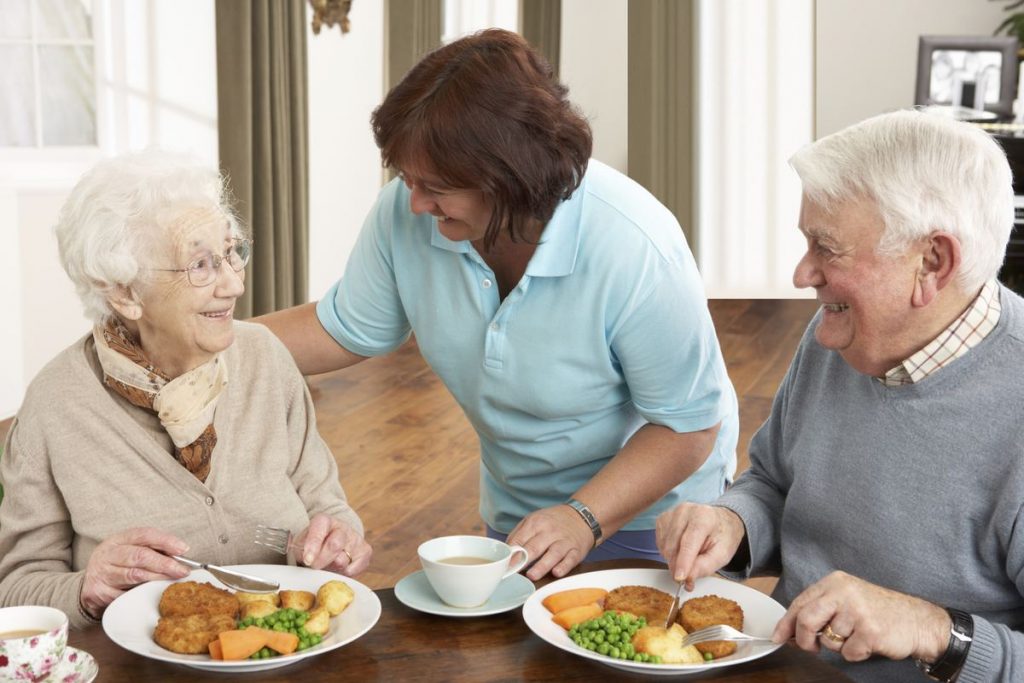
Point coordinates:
pixel 976 72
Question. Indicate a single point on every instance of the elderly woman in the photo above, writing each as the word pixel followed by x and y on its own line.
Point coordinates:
pixel 170 428
pixel 886 488
pixel 555 298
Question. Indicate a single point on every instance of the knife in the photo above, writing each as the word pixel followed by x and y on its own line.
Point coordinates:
pixel 676 605
pixel 247 583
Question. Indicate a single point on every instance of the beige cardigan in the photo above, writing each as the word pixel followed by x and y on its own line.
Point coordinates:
pixel 81 463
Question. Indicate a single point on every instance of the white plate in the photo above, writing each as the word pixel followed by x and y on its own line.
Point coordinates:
pixel 414 591
pixel 131 618
pixel 760 614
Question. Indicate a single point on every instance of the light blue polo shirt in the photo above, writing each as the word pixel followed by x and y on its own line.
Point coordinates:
pixel 608 329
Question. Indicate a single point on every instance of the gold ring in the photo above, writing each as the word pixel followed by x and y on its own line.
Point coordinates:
pixel 832 635
pixel 350 558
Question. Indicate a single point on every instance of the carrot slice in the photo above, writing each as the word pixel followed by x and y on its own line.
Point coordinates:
pixel 236 645
pixel 557 602
pixel 568 618
pixel 281 642
pixel 215 651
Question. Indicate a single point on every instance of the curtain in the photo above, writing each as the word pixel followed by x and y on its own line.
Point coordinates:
pixel 541 25
pixel 264 146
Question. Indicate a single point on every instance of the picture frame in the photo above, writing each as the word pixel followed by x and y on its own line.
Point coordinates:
pixel 950 70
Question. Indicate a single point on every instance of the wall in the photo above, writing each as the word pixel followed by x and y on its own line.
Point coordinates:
pixel 594 61
pixel 345 84
pixel 866 51
pixel 156 86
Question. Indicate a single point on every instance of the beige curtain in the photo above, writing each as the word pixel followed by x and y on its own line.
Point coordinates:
pixel 262 101
pixel 541 25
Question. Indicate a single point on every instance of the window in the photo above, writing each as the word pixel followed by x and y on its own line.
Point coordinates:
pixel 47 74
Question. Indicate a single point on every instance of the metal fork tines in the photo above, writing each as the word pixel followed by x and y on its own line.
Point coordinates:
pixel 278 540
pixel 720 632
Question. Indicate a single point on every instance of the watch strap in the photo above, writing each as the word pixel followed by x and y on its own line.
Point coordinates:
pixel 961 633
pixel 588 517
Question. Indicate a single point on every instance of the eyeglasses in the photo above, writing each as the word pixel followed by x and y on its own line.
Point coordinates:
pixel 203 271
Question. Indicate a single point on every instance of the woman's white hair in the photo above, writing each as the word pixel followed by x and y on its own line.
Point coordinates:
pixel 924 173
pixel 122 206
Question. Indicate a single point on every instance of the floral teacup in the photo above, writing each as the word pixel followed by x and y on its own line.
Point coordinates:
pixel 32 642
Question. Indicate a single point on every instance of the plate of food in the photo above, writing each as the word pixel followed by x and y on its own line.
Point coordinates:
pixel 570 614
pixel 197 623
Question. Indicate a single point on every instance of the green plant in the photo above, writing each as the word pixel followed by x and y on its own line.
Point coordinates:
pixel 1013 25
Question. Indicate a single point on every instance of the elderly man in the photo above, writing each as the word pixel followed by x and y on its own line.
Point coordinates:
pixel 885 489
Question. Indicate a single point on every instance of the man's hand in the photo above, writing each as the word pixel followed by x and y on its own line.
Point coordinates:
pixel 866 619
pixel 698 540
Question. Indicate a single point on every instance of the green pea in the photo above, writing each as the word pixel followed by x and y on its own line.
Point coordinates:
pixel 708 656
pixel 613 651
pixel 603 648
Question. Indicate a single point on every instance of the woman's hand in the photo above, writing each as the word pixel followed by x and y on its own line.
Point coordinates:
pixel 698 540
pixel 329 543
pixel 127 559
pixel 866 620
pixel 557 539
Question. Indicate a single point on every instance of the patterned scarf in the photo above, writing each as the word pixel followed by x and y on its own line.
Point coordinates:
pixel 185 404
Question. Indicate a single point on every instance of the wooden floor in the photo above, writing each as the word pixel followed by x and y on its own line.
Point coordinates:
pixel 408 457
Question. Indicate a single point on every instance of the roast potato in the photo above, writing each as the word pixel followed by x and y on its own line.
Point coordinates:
pixel 334 596
pixel 318 621
pixel 300 600
pixel 258 608
pixel 273 598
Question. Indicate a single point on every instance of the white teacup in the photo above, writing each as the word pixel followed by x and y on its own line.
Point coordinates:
pixel 465 571
pixel 32 642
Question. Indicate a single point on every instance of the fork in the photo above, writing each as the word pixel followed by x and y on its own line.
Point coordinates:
pixel 278 540
pixel 720 632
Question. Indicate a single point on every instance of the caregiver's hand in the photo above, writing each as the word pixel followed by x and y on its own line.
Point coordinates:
pixel 127 559
pixel 557 539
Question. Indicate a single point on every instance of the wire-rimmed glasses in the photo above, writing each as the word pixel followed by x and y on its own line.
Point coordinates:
pixel 203 270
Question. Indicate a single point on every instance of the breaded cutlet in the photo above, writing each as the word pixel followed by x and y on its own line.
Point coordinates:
pixel 642 601
pixel 189 597
pixel 711 610
pixel 192 634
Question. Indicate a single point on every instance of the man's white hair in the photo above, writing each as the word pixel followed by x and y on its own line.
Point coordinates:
pixel 122 206
pixel 925 173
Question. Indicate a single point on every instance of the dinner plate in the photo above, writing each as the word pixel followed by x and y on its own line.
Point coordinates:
pixel 414 591
pixel 129 620
pixel 760 614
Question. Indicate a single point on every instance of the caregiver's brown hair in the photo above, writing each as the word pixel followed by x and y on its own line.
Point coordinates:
pixel 487 113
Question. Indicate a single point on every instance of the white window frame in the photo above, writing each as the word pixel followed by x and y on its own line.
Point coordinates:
pixel 43 167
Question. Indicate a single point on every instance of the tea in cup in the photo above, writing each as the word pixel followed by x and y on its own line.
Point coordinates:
pixel 32 642
pixel 465 571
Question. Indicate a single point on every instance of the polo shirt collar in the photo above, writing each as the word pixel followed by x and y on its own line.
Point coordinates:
pixel 559 243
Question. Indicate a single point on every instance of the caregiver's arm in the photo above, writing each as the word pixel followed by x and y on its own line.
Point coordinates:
pixel 653 462
pixel 313 349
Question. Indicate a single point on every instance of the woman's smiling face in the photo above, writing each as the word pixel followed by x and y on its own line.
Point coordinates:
pixel 182 326
pixel 462 214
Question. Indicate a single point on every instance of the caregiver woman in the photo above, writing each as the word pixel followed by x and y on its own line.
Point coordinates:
pixel 555 298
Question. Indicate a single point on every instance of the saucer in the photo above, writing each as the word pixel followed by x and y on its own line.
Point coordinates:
pixel 76 666
pixel 415 591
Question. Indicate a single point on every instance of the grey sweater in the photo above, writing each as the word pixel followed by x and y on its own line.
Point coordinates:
pixel 81 463
pixel 916 488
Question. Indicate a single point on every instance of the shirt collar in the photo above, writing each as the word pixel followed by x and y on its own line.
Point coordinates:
pixel 966 332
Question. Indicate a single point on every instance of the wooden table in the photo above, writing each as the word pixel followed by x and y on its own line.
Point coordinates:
pixel 406 645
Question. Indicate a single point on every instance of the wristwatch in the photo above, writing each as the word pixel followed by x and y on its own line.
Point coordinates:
pixel 588 517
pixel 948 665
